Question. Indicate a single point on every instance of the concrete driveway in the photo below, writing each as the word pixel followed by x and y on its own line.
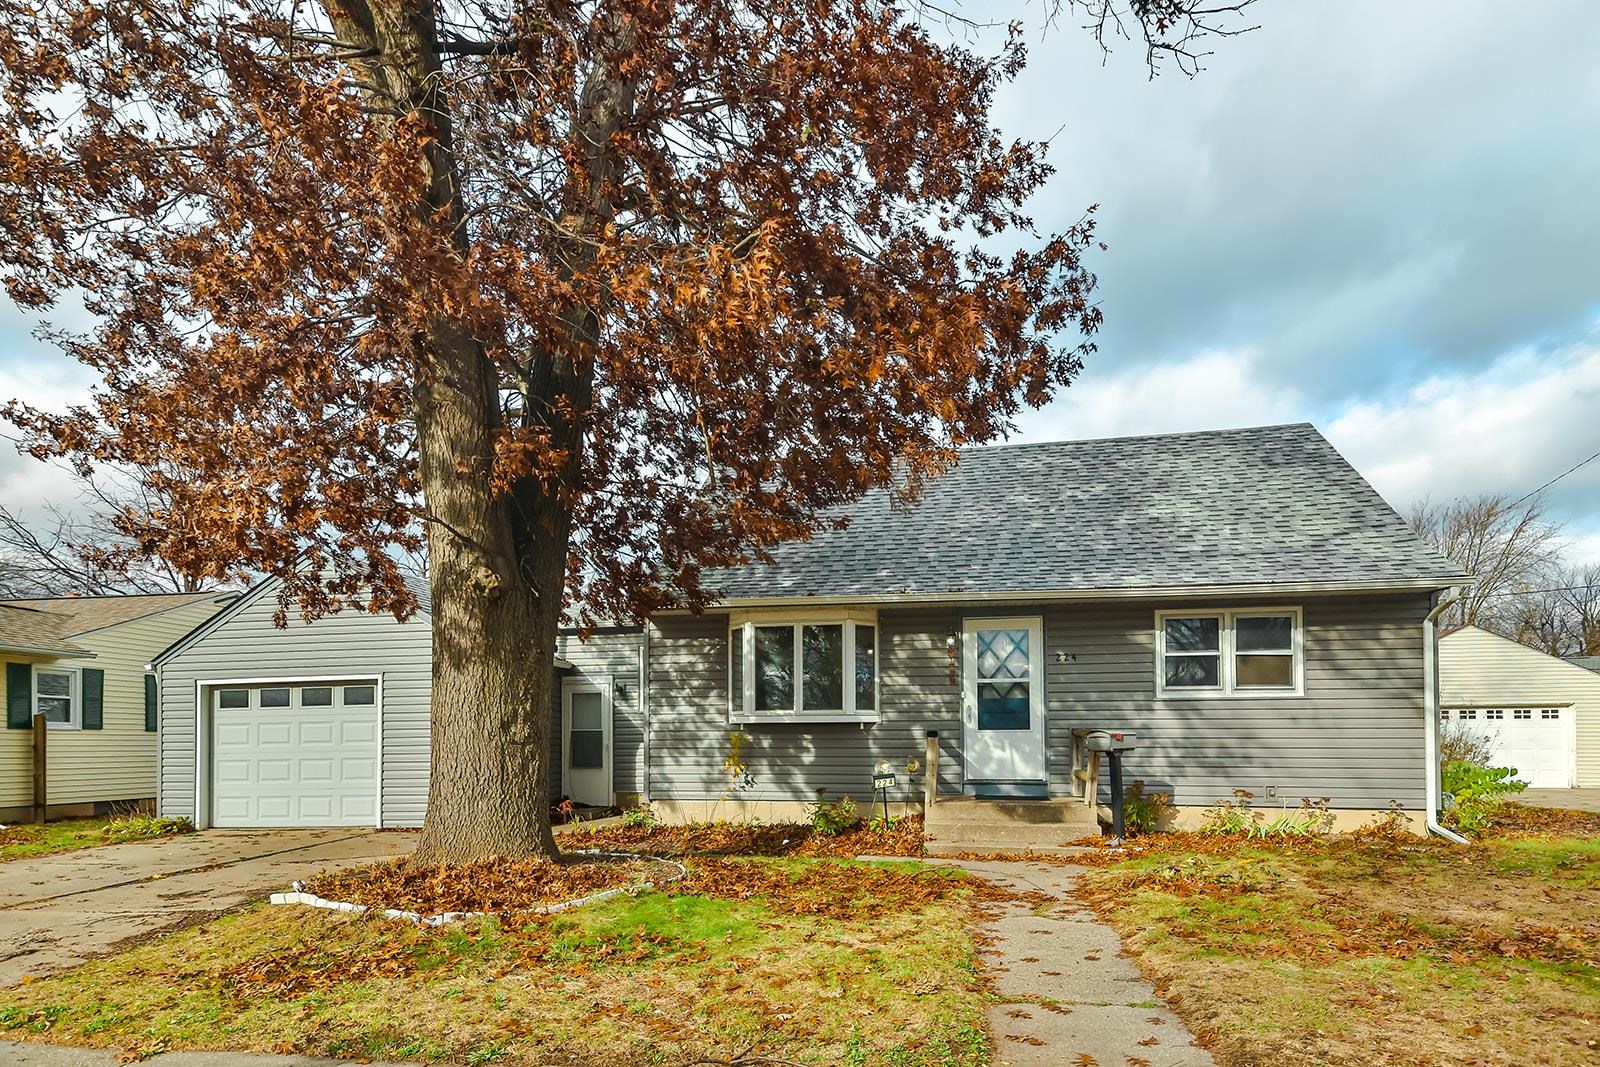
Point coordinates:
pixel 58 911
pixel 1573 799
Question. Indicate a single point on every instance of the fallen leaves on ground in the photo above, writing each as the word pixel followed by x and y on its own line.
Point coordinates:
pixel 905 838
pixel 1516 818
pixel 494 885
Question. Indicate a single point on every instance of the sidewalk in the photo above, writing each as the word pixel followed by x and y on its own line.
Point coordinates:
pixel 1068 990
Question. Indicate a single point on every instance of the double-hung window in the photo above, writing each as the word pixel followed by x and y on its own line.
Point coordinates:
pixel 56 696
pixel 817 668
pixel 1229 652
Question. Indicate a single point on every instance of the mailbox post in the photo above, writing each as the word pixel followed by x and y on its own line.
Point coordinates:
pixel 1113 743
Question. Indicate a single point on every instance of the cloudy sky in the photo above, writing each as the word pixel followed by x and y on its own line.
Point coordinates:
pixel 1378 217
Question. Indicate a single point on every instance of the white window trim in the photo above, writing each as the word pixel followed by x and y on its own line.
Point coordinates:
pixel 75 696
pixel 1227 687
pixel 742 705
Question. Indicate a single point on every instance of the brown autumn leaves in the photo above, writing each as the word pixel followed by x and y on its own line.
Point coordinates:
pixel 804 270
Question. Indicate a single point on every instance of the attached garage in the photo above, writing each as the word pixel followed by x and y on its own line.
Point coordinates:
pixel 327 723
pixel 297 754
pixel 301 725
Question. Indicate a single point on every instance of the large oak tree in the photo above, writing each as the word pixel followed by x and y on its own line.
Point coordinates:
pixel 595 294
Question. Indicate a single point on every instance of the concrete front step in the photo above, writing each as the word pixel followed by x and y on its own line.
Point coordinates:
pixel 978 838
pixel 1065 810
pixel 971 825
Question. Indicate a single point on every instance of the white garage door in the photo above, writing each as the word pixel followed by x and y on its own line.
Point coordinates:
pixel 295 755
pixel 1536 741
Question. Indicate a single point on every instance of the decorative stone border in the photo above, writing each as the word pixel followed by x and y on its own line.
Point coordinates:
pixel 311 900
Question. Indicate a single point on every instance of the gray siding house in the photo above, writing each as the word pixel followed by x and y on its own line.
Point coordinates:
pixel 1243 600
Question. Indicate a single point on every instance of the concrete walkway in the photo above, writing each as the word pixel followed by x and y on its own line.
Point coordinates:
pixel 1100 1005
pixel 58 911
pixel 1573 799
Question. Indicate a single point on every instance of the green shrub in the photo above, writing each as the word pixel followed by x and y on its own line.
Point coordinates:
pixel 1476 791
pixel 640 818
pixel 1143 812
pixel 1311 819
pixel 832 818
pixel 140 827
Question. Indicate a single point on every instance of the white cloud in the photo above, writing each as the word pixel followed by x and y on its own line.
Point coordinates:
pixel 51 383
pixel 1522 420
pixel 1213 389
pixel 1516 423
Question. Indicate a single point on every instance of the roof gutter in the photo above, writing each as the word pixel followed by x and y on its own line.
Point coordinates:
pixel 1430 714
pixel 54 653
pixel 1191 592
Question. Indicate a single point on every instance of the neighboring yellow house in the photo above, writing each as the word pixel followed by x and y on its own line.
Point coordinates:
pixel 80 661
pixel 1541 713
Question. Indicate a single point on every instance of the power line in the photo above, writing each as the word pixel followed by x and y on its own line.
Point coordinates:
pixel 1553 481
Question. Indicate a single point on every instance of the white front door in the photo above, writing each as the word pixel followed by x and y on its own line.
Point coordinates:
pixel 295 754
pixel 586 741
pixel 1003 700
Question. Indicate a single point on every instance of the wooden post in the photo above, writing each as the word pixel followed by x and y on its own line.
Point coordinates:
pixel 930 771
pixel 41 793
pixel 1091 781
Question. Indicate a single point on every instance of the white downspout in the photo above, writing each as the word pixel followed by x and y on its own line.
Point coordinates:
pixel 1430 712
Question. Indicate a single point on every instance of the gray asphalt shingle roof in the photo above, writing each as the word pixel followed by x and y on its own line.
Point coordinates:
pixel 1269 504
pixel 1587 662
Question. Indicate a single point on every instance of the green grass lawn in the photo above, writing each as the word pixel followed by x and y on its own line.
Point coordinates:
pixel 24 841
pixel 852 967
pixel 1370 953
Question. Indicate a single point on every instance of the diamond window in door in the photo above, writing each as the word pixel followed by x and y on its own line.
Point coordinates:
pixel 1003 680
pixel 1002 653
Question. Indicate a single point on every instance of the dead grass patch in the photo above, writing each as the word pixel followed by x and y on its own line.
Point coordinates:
pixel 1368 951
pixel 810 961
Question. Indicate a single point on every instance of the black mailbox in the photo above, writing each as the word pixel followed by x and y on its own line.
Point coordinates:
pixel 1110 740
pixel 1113 743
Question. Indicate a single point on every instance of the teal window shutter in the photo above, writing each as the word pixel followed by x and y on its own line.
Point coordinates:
pixel 150 703
pixel 19 696
pixel 94 697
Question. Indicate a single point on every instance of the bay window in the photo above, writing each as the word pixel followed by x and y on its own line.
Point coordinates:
pixel 1235 652
pixel 817 668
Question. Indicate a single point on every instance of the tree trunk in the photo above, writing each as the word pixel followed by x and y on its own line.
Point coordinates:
pixel 497 563
pixel 494 633
pixel 496 591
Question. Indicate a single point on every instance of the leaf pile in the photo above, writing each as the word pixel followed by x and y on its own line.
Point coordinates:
pixel 1514 818
pixel 493 885
pixel 843 891
pixel 905 838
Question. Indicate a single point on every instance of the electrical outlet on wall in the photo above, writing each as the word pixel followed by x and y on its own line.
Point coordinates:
pixel 1272 791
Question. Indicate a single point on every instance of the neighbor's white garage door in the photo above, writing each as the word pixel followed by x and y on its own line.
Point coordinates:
pixel 1536 741
pixel 295 755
